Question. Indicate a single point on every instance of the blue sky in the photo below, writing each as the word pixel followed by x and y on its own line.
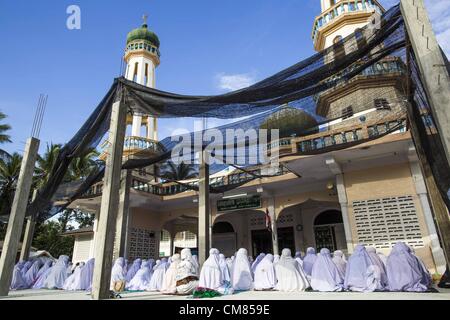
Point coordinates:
pixel 207 47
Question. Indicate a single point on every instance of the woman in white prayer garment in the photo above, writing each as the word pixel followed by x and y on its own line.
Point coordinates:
pixel 142 278
pixel 118 272
pixel 133 269
pixel 210 275
pixel 257 261
pixel 25 268
pixel 187 273
pixel 72 283
pixel 338 259
pixel 197 265
pixel 325 275
pixel 157 278
pixel 224 269
pixel 298 258
pixel 169 285
pixel 361 274
pixel 265 278
pixel 18 283
pixel 308 260
pixel 47 265
pixel 86 275
pixel 31 275
pixel 58 274
pixel 290 275
pixel 377 261
pixel 39 284
pixel 241 273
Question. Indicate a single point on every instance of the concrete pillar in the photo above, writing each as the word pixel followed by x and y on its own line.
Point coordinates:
pixel 150 127
pixel 104 242
pixel 203 209
pixel 28 235
pixel 273 224
pixel 431 64
pixel 27 239
pixel 419 182
pixel 155 129
pixel 342 195
pixel 17 215
pixel 120 242
pixel 136 126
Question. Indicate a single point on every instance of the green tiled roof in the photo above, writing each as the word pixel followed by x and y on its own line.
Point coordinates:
pixel 143 33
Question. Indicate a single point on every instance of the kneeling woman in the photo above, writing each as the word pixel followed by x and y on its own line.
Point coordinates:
pixel 290 274
pixel 187 273
pixel 325 275
pixel 265 274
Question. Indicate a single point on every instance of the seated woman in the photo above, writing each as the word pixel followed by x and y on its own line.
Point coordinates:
pixel 241 273
pixel 361 274
pixel 376 260
pixel 58 274
pixel 325 275
pixel 43 274
pixel 224 269
pixel 31 275
pixel 308 260
pixel 187 274
pixel 158 275
pixel 265 274
pixel 133 269
pixel 298 257
pixel 257 261
pixel 290 275
pixel 86 275
pixel 169 285
pixel 211 275
pixel 339 261
pixel 18 283
pixel 404 270
pixel 142 277
pixel 73 281
pixel 118 272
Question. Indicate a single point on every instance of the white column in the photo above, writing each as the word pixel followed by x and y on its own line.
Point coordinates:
pixel 421 190
pixel 94 229
pixel 273 224
pixel 136 126
pixel 155 129
pixel 342 195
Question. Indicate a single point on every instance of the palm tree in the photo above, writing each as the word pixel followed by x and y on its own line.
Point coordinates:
pixel 82 166
pixel 4 138
pixel 179 172
pixel 45 164
pixel 9 174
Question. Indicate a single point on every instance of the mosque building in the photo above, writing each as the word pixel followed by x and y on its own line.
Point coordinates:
pixel 371 193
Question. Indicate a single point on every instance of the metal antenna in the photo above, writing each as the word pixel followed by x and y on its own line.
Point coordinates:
pixel 39 115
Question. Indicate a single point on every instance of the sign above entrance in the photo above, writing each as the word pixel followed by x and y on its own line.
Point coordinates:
pixel 252 202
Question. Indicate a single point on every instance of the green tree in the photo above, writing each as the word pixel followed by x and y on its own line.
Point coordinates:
pixel 82 166
pixel 4 138
pixel 179 172
pixel 45 164
pixel 9 174
pixel 48 237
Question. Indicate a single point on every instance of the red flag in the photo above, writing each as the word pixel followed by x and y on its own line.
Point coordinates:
pixel 268 221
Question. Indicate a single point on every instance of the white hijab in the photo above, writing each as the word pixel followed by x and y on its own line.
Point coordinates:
pixel 339 261
pixel 157 278
pixel 290 275
pixel 211 276
pixel 118 272
pixel 265 278
pixel 224 268
pixel 58 274
pixel 169 285
pixel 241 274
pixel 188 266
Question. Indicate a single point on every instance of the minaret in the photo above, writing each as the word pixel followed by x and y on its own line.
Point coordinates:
pixel 142 58
pixel 340 18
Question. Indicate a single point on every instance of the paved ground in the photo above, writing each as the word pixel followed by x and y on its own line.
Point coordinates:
pixel 252 295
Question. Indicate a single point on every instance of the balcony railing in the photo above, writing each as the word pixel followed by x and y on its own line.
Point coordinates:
pixel 141 143
pixel 342 7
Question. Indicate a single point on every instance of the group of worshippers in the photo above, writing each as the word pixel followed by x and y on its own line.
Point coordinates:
pixel 366 270
pixel 179 274
pixel 45 273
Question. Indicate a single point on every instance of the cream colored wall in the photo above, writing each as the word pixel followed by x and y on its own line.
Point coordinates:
pixel 343 32
pixel 386 181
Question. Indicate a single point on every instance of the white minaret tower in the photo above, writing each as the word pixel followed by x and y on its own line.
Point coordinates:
pixel 142 58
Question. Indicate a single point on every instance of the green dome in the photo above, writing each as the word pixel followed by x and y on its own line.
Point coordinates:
pixel 291 121
pixel 143 33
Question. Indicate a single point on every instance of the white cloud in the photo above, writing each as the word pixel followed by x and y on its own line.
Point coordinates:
pixel 231 82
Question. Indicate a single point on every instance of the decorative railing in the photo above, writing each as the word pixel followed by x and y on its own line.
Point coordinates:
pixel 343 7
pixel 132 142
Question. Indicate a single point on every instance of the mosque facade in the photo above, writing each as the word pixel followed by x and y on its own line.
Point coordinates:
pixel 372 193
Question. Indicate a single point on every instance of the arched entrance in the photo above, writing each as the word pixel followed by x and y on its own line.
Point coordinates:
pixel 224 238
pixel 329 230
